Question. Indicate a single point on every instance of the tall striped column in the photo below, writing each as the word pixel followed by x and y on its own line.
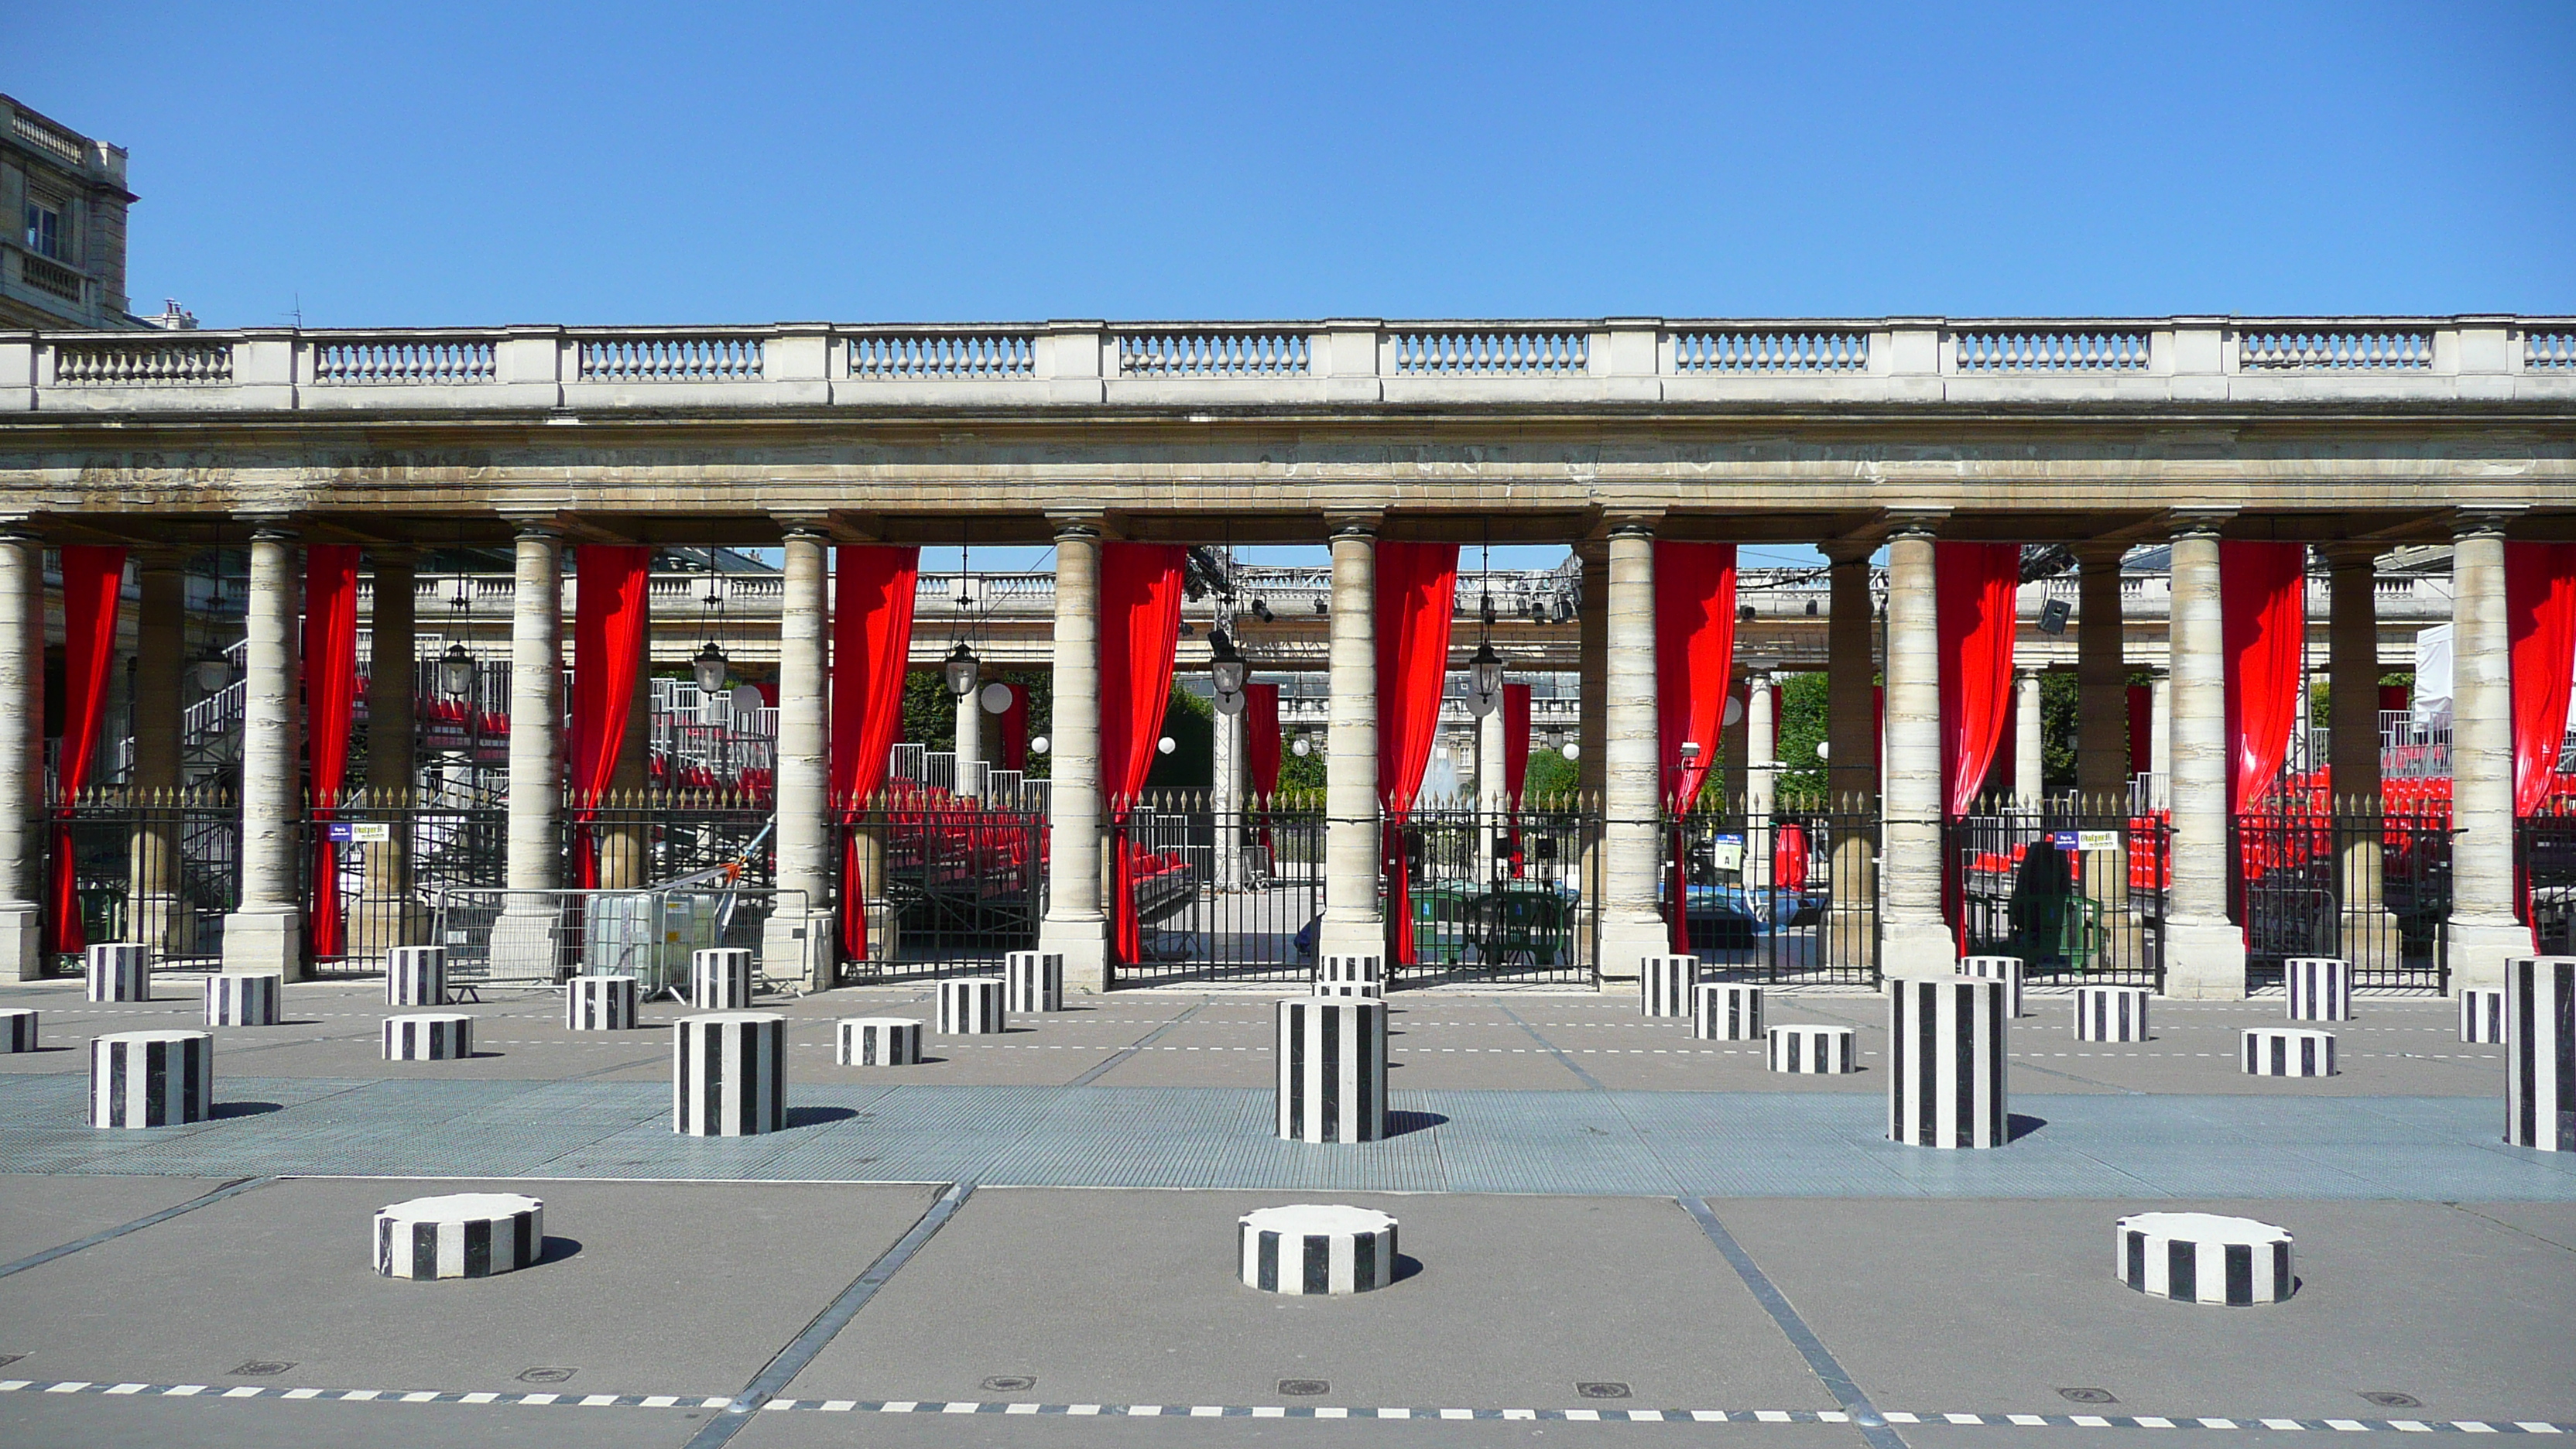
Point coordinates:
pixel 119 971
pixel 729 1074
pixel 1945 1046
pixel 972 1006
pixel 151 1078
pixel 1664 984
pixel 1332 1069
pixel 1033 982
pixel 599 1003
pixel 2319 988
pixel 416 976
pixel 244 998
pixel 2540 1052
pixel 2007 969
pixel 2482 1014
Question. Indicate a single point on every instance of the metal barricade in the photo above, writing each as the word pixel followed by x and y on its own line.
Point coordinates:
pixel 532 939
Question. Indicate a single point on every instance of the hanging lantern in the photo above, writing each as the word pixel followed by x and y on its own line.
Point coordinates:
pixel 960 671
pixel 456 672
pixel 1485 680
pixel 709 668
pixel 1225 665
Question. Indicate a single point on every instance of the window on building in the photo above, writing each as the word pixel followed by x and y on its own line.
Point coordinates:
pixel 45 227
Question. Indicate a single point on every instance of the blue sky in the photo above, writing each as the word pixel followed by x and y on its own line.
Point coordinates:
pixel 467 163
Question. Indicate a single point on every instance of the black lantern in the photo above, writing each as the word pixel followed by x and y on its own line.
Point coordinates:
pixel 456 672
pixel 960 671
pixel 709 668
pixel 1485 671
pixel 1225 666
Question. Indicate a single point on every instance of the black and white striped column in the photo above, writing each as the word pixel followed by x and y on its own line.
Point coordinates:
pixel 1810 1050
pixel 1946 1043
pixel 1726 1011
pixel 880 1041
pixel 2319 987
pixel 1350 976
pixel 429 1036
pixel 1332 1069
pixel 119 971
pixel 244 998
pixel 2540 1052
pixel 17 1030
pixel 599 1003
pixel 720 979
pixel 1033 982
pixel 2482 1014
pixel 416 976
pixel 2204 1258
pixel 2110 1013
pixel 1316 1248
pixel 2007 969
pixel 460 1235
pixel 2288 1051
pixel 1664 984
pixel 729 1074
pixel 972 1006
pixel 151 1078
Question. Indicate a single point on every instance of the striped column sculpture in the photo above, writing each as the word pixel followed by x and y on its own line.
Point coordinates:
pixel 151 1078
pixel 1726 1011
pixel 720 979
pixel 1945 1071
pixel 244 998
pixel 2482 1014
pixel 1316 1248
pixel 880 1041
pixel 460 1235
pixel 599 1003
pixel 17 1030
pixel 429 1036
pixel 1664 984
pixel 1811 1050
pixel 2204 1258
pixel 729 1074
pixel 1033 982
pixel 1332 1069
pixel 2540 1052
pixel 2007 969
pixel 1350 976
pixel 2319 988
pixel 2288 1051
pixel 972 1006
pixel 119 971
pixel 2110 1013
pixel 416 976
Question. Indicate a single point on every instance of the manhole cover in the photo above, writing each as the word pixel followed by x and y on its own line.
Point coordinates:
pixel 1602 1391
pixel 260 1367
pixel 2391 1399
pixel 1009 1384
pixel 1303 1388
pixel 546 1375
pixel 2088 1396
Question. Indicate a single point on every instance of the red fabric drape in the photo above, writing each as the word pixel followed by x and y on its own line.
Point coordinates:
pixel 2262 605
pixel 93 580
pixel 1516 740
pixel 2540 629
pixel 1694 664
pixel 1417 585
pixel 1261 738
pixel 1974 585
pixel 608 633
pixel 2142 727
pixel 1140 630
pixel 330 710
pixel 871 644
pixel 1015 730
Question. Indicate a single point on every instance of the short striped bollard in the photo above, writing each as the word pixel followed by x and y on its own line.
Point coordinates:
pixel 17 1030
pixel 880 1041
pixel 2319 988
pixel 151 1078
pixel 460 1235
pixel 2482 1014
pixel 599 1003
pixel 2007 969
pixel 1033 982
pixel 1726 1011
pixel 1664 984
pixel 244 998
pixel 2540 1052
pixel 416 976
pixel 1316 1248
pixel 2110 1013
pixel 119 971
pixel 729 1074
pixel 1350 976
pixel 1810 1050
pixel 720 979
pixel 2288 1051
pixel 429 1036
pixel 2204 1258
pixel 972 1006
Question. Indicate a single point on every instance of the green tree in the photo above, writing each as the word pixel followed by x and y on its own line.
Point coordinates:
pixel 1802 728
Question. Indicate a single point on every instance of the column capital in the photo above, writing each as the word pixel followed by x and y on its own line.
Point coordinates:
pixel 1915 522
pixel 2491 518
pixel 2029 671
pixel 1364 524
pixel 816 526
pixel 150 557
pixel 1088 524
pixel 1760 669
pixel 2352 553
pixel 2197 522
pixel 534 525
pixel 2094 552
pixel 1848 550
pixel 1633 522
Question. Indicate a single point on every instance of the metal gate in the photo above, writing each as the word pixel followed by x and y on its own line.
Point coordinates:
pixel 2370 886
pixel 2076 889
pixel 1759 892
pixel 1497 896
pixel 952 884
pixel 161 867
pixel 1233 895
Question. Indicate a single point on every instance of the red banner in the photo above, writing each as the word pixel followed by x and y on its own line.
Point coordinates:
pixel 1694 667
pixel 93 580
pixel 1417 585
pixel 608 641
pixel 1516 740
pixel 1974 584
pixel 1261 738
pixel 2262 606
pixel 330 712
pixel 2540 628
pixel 1140 630
pixel 871 645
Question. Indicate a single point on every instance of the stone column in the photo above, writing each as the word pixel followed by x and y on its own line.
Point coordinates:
pixel 2029 740
pixel 2204 951
pixel 2370 933
pixel 1761 774
pixel 22 753
pixel 1074 925
pixel 1493 792
pixel 1635 774
pixel 266 931
pixel 1918 939
pixel 1225 801
pixel 389 915
pixel 2160 738
pixel 1591 726
pixel 970 742
pixel 160 671
pixel 1851 750
pixel 2101 678
pixel 523 938
pixel 2483 929
pixel 1354 853
pixel 799 939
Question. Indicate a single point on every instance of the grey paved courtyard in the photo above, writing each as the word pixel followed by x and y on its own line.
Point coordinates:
pixel 1611 1232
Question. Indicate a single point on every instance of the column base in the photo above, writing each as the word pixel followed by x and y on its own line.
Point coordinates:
pixel 1083 941
pixel 22 941
pixel 2204 961
pixel 2480 945
pixel 1917 950
pixel 1353 935
pixel 798 946
pixel 2370 934
pixel 265 940
pixel 1626 942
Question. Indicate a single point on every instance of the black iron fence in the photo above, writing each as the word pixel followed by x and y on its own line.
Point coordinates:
pixel 1232 895
pixel 395 852
pixel 2544 859
pixel 162 867
pixel 2363 879
pixel 1785 896
pixel 952 884
pixel 1498 896
pixel 2077 889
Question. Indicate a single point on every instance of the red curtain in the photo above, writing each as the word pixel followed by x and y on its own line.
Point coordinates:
pixel 1015 730
pixel 2540 627
pixel 2142 728
pixel 330 710
pixel 93 579
pixel 1694 665
pixel 1417 586
pixel 1974 584
pixel 1516 740
pixel 1261 738
pixel 2262 605
pixel 1140 629
pixel 871 644
pixel 608 633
